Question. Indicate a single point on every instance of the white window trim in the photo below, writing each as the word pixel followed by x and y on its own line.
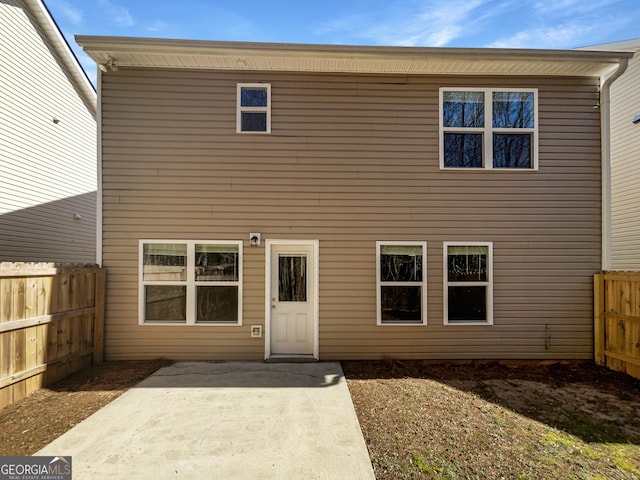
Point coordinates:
pixel 447 283
pixel 488 129
pixel 240 109
pixel 190 283
pixel 422 284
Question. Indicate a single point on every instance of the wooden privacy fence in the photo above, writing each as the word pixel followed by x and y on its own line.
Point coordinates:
pixel 617 321
pixel 51 324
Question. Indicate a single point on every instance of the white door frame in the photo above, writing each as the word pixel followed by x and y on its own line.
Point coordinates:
pixel 314 294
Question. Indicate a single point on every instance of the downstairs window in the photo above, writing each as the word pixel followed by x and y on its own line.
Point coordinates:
pixel 468 283
pixel 190 282
pixel 402 283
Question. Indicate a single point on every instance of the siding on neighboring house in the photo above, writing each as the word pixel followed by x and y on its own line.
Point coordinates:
pixel 47 169
pixel 625 169
pixel 351 160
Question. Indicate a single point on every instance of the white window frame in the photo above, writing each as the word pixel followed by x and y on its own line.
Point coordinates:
pixel 240 109
pixel 190 283
pixel 488 283
pixel 422 284
pixel 488 130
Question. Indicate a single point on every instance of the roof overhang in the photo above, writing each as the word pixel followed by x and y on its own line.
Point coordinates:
pixel 67 60
pixel 115 52
pixel 632 45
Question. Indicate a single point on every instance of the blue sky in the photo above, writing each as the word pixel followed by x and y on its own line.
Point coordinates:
pixel 563 24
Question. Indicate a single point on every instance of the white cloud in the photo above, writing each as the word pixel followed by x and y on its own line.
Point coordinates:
pixel 561 36
pixel 72 14
pixel 571 7
pixel 436 24
pixel 565 24
pixel 157 26
pixel 120 16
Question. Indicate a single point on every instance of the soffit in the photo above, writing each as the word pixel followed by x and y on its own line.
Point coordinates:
pixel 198 54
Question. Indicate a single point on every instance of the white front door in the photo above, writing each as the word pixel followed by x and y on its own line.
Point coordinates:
pixel 292 294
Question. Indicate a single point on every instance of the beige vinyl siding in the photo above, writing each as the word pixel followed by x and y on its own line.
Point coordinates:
pixel 351 160
pixel 625 169
pixel 47 170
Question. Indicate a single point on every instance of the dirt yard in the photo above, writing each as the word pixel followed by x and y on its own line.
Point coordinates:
pixel 31 423
pixel 490 421
pixel 467 421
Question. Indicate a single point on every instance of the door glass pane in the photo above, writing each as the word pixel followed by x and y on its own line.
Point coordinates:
pixel 468 263
pixel 165 303
pixel 400 263
pixel 467 303
pixel 217 304
pixel 216 263
pixel 292 278
pixel 401 304
pixel 164 261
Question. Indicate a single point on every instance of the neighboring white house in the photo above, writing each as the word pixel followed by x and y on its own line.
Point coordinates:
pixel 47 141
pixel 625 160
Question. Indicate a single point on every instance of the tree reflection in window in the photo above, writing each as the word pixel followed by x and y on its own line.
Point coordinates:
pixel 513 110
pixel 400 263
pixel 292 280
pixel 467 264
pixel 401 283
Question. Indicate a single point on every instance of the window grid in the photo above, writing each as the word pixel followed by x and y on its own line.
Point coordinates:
pixel 487 284
pixel 488 130
pixel 191 284
pixel 240 109
pixel 422 284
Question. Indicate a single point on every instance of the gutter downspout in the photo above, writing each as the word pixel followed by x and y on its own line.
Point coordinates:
pixel 605 142
pixel 99 172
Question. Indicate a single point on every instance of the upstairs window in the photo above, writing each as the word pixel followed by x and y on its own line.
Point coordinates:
pixel 488 129
pixel 254 108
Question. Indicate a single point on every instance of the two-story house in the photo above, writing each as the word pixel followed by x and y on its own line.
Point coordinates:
pixel 623 225
pixel 339 202
pixel 48 177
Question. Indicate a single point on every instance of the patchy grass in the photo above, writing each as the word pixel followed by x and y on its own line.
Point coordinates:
pixel 487 420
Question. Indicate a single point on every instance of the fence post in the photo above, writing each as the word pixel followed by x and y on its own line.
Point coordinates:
pixel 598 318
pixel 98 322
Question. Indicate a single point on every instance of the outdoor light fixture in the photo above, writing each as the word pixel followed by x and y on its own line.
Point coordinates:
pixel 636 119
pixel 254 238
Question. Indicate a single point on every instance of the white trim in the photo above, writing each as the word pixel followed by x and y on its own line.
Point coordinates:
pixel 262 57
pixel 190 283
pixel 240 109
pixel 99 172
pixel 65 57
pixel 488 284
pixel 267 294
pixel 487 130
pixel 605 145
pixel 422 284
